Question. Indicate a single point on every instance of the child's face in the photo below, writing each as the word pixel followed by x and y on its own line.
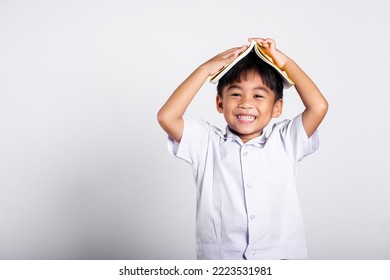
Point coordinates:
pixel 248 106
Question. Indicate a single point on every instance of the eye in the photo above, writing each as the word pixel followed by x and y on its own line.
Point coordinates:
pixel 235 94
pixel 258 96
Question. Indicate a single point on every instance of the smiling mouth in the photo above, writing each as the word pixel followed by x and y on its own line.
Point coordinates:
pixel 246 118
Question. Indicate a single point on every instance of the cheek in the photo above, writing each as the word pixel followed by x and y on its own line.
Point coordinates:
pixel 267 106
pixel 228 108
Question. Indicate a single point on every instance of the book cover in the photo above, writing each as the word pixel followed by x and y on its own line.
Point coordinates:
pixel 287 82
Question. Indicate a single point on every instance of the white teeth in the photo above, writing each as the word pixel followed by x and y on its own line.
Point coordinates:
pixel 246 118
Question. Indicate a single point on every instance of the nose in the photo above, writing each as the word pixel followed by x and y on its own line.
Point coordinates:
pixel 245 104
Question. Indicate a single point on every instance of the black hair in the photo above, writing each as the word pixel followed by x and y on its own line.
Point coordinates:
pixel 249 64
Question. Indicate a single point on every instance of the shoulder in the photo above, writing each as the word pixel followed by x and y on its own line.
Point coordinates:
pixel 290 126
pixel 292 136
pixel 200 126
pixel 199 137
pixel 297 120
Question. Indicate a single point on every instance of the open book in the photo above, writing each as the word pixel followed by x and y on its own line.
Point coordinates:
pixel 258 49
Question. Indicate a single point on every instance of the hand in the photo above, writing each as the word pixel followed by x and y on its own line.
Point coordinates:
pixel 269 47
pixel 215 64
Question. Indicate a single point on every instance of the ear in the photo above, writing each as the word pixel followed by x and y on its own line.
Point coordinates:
pixel 219 103
pixel 278 108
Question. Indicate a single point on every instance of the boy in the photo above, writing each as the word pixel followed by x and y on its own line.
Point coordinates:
pixel 247 206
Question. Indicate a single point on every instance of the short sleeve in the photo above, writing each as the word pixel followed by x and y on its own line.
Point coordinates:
pixel 194 142
pixel 295 140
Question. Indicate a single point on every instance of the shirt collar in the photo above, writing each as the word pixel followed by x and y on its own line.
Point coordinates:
pixel 229 135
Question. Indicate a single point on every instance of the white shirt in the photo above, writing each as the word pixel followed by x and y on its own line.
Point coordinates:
pixel 247 205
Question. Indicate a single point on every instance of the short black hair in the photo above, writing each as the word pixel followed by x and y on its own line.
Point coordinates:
pixel 249 64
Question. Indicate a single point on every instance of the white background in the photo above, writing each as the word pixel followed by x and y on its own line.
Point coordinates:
pixel 84 168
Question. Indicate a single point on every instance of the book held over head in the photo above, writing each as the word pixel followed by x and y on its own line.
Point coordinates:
pixel 258 49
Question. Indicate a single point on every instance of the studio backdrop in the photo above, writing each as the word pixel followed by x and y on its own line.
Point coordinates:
pixel 84 167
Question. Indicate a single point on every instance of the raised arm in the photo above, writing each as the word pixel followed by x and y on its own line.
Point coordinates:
pixel 171 114
pixel 315 104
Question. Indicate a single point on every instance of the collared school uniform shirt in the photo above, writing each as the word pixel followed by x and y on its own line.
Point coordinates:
pixel 247 204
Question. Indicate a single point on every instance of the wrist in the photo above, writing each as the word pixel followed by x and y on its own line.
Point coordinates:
pixel 287 63
pixel 204 70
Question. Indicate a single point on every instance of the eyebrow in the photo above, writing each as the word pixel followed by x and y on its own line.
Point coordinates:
pixel 262 88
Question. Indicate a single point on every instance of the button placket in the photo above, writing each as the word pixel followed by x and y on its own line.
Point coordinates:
pixel 248 186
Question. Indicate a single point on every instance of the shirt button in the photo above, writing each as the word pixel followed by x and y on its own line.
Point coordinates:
pixel 253 217
pixel 249 185
pixel 244 154
pixel 254 253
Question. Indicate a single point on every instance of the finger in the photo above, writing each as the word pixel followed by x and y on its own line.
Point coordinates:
pixel 234 52
pixel 232 49
pixel 270 42
pixel 258 40
pixel 229 51
pixel 237 52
